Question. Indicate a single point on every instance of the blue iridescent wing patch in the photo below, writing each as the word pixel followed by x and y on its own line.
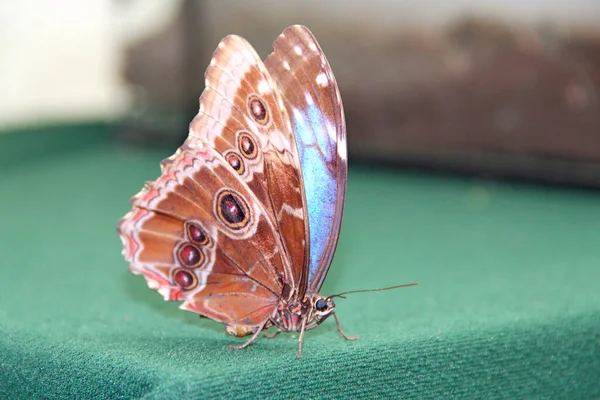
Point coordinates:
pixel 313 103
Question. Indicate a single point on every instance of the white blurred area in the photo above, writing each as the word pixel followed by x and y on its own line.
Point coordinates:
pixel 62 59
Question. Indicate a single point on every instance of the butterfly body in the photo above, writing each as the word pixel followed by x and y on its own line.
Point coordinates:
pixel 243 222
pixel 304 314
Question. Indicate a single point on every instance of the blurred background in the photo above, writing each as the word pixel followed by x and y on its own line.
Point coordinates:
pixel 474 141
pixel 485 87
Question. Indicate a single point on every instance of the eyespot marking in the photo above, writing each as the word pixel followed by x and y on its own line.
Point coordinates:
pixel 185 279
pixel 258 109
pixel 196 234
pixel 190 256
pixel 247 145
pixel 235 161
pixel 231 209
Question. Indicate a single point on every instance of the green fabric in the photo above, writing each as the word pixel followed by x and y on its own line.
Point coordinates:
pixel 508 303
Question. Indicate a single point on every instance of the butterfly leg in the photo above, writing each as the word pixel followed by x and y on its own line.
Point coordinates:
pixel 252 339
pixel 301 338
pixel 272 335
pixel 339 328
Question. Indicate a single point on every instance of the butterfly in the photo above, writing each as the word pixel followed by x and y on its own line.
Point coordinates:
pixel 243 222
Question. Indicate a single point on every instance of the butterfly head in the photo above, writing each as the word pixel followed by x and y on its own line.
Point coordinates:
pixel 317 308
pixel 322 306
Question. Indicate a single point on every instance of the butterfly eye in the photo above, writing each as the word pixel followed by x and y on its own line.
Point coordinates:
pixel 247 145
pixel 190 256
pixel 321 305
pixel 232 209
pixel 185 279
pixel 258 110
pixel 235 162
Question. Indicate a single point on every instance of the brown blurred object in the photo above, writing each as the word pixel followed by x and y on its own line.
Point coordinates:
pixel 489 99
pixel 166 74
pixel 479 96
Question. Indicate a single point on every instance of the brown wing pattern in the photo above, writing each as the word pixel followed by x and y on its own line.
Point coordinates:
pixel 185 239
pixel 223 228
pixel 226 122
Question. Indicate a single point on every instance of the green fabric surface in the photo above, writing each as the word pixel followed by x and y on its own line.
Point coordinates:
pixel 508 302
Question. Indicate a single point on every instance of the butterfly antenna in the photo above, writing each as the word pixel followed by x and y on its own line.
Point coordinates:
pixel 343 294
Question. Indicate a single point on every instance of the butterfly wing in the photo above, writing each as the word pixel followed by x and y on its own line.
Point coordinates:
pixel 313 102
pixel 241 108
pixel 184 235
pixel 220 228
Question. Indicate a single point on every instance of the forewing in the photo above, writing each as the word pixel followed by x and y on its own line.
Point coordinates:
pixel 238 88
pixel 312 100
